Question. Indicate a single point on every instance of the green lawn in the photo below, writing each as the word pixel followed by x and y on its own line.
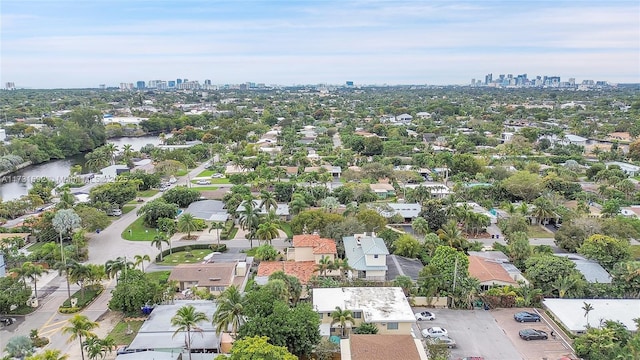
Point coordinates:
pixel 147 193
pixel 206 173
pixel 119 332
pixel 206 188
pixel 36 246
pixel 127 208
pixel 137 231
pixel 90 293
pixel 182 172
pixel 158 277
pixel 181 258
pixel 635 252
pixel 287 230
pixel 536 231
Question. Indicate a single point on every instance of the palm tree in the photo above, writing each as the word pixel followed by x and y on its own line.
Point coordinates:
pixel 330 203
pixel 268 201
pixel 110 150
pixel 49 354
pixel 140 259
pixel 113 267
pixel 267 231
pixel 404 282
pixel 187 319
pixel 587 309
pixel 451 234
pixel 21 272
pixel 79 274
pixel 217 225
pixel 342 317
pixel 297 204
pixel 249 219
pixel 323 265
pixel 543 210
pixel 65 267
pixel 564 285
pixel 341 265
pixel 158 240
pixel 127 152
pixel 230 311
pixel 80 326
pixel 187 223
pixel 420 226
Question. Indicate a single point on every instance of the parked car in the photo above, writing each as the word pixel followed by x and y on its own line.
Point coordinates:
pixel 114 212
pixel 217 176
pixel 525 316
pixel 6 321
pixel 472 358
pixel 425 315
pixel 203 182
pixel 444 340
pixel 533 334
pixel 434 332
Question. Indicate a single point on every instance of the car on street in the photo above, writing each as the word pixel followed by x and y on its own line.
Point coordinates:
pixel 6 321
pixel 115 212
pixel 444 340
pixel 217 176
pixel 203 182
pixel 425 315
pixel 533 334
pixel 525 316
pixel 434 332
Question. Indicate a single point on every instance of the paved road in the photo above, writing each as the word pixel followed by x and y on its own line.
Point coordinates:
pixel 106 245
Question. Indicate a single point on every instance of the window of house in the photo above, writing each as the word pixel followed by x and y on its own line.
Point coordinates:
pixel 357 315
pixel 392 326
pixel 375 256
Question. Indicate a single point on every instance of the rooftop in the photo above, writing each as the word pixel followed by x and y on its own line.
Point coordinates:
pixel 570 312
pixel 319 245
pixel 303 270
pixel 591 270
pixel 206 275
pixel 383 347
pixel 487 270
pixel 358 246
pixel 211 210
pixel 378 304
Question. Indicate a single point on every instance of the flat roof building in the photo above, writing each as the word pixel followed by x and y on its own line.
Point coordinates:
pixel 570 313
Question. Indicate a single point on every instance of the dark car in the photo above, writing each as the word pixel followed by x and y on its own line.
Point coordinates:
pixel 526 317
pixel 533 334
pixel 6 321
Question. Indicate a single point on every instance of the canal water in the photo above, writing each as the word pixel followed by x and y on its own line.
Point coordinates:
pixel 18 184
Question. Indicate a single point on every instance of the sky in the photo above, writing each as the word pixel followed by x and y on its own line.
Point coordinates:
pixel 81 44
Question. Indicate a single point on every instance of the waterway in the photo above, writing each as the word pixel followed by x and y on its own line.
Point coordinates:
pixel 18 184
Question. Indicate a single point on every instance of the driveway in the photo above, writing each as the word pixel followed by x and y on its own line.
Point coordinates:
pixel 535 349
pixel 475 332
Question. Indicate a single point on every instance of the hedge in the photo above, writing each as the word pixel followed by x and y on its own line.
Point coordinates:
pixel 213 247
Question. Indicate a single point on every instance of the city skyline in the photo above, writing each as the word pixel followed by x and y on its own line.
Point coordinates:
pixel 66 44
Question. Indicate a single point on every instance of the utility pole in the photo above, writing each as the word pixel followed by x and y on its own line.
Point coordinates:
pixel 455 274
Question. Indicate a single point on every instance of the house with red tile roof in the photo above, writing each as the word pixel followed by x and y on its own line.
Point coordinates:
pixel 489 272
pixel 307 251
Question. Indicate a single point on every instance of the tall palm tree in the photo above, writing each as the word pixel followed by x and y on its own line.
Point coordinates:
pixel 267 231
pixel 249 219
pixel 140 259
pixel 342 317
pixel 34 271
pixel 21 272
pixel 187 319
pixel 110 149
pixel 297 204
pixel 543 210
pixel 268 201
pixel 80 326
pixel 323 265
pixel 127 152
pixel 330 203
pixel 113 267
pixel 79 274
pixel 187 223
pixel 230 311
pixel 587 309
pixel 217 225
pixel 451 234
pixel 158 240
pixel 65 267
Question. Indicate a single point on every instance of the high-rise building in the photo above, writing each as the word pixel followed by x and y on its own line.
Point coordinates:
pixel 10 86
pixel 171 84
pixel 488 79
pixel 179 81
pixel 140 85
pixel 207 82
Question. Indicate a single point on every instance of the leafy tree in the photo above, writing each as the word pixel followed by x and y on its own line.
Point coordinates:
pixel 404 282
pixel 49 354
pixel 186 320
pixel 512 224
pixel 92 219
pixel 606 250
pixel 167 225
pixel 42 188
pixel 313 220
pixel 449 263
pixel 114 193
pixel 371 220
pixel 284 190
pixel 80 326
pixel 626 276
pixel 12 293
pixel 524 185
pixel 146 180
pixel 408 246
pixel 65 221
pixel 157 209
pixel 420 226
pixel 570 237
pixel 181 196
pixel 133 291
pixel 543 270
pixel 266 252
pixel 519 249
pixel 433 211
pixel 612 341
pixel 294 287
pixel 257 348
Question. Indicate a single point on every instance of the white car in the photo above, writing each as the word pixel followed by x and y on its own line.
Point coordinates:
pixel 444 340
pixel 435 332
pixel 203 182
pixel 217 176
pixel 425 315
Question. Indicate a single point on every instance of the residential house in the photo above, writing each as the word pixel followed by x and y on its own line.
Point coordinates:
pixel 629 169
pixel 386 307
pixel 367 256
pixel 490 273
pixel 110 173
pixel 404 118
pixel 157 333
pixel 301 259
pixel 570 312
pixel 632 211
pixel 215 277
pixel 574 140
pixel 592 271
pixel 335 171
pixel 423 115
pixel 495 257
pixel 282 209
pixel 507 137
pixel 382 347
pixel 208 210
pixel 408 211
pixel 383 190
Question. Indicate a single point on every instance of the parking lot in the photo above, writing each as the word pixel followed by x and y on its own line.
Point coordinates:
pixel 494 334
pixel 475 331
pixel 535 349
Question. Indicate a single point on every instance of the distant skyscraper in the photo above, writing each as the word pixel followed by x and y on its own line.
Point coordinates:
pixel 349 83
pixel 488 79
pixel 10 86
pixel 179 81
pixel 102 86
pixel 140 85
pixel 172 84
pixel 207 82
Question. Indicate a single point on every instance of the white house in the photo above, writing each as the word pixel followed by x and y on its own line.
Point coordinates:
pixel 629 169
pixel 110 173
pixel 404 118
pixel 367 255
